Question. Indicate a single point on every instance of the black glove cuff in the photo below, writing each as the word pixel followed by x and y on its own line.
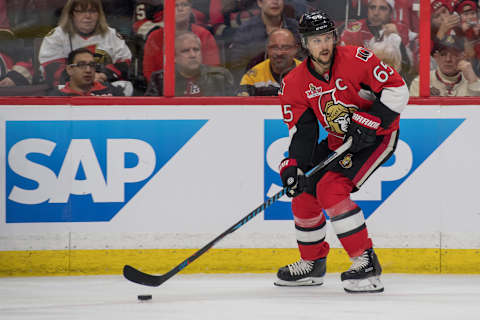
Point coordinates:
pixel 380 110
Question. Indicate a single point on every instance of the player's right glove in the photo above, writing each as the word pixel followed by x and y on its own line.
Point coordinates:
pixel 363 130
pixel 292 177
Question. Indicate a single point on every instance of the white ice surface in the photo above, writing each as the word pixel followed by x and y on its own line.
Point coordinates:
pixel 239 296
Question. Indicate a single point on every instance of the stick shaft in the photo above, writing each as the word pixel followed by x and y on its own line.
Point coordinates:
pixel 137 276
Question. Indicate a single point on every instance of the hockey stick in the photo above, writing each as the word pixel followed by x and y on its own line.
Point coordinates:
pixel 140 277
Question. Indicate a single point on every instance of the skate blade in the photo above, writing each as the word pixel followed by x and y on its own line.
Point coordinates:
pixel 299 283
pixel 368 285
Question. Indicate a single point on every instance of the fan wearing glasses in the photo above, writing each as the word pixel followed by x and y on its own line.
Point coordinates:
pixel 81 67
pixel 83 24
pixel 264 78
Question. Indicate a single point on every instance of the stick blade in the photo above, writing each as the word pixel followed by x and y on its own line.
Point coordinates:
pixel 140 277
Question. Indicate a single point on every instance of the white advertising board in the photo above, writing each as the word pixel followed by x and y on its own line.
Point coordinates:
pixel 91 177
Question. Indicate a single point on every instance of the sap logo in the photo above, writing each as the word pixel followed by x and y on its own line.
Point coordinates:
pixel 419 138
pixel 84 171
pixel 80 156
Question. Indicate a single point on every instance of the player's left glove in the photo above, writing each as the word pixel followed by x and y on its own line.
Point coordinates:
pixel 363 130
pixel 292 177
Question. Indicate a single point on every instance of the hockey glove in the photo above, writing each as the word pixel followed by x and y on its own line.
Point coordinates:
pixel 292 177
pixel 363 130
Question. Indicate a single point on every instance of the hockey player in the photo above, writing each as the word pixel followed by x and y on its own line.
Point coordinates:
pixel 351 93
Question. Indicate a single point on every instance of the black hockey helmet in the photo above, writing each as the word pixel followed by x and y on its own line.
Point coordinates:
pixel 315 22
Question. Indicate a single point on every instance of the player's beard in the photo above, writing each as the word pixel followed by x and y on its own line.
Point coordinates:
pixel 324 64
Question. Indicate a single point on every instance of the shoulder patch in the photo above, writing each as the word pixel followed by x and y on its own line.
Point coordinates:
pixel 354 26
pixel 363 54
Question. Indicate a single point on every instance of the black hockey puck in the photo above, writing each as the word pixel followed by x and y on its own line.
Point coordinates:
pixel 144 297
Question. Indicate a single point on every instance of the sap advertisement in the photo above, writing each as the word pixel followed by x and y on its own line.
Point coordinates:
pixel 166 174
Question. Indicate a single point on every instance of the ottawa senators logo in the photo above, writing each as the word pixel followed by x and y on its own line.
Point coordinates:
pixel 346 162
pixel 355 26
pixel 336 114
pixel 100 56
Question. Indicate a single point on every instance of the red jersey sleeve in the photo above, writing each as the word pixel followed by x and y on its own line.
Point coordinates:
pixel 381 78
pixel 292 100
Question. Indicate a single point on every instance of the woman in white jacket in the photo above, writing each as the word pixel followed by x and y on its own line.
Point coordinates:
pixel 83 25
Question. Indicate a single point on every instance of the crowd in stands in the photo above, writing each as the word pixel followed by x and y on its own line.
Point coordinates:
pixel 222 47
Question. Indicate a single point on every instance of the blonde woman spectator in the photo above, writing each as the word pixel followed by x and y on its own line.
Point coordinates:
pixel 83 25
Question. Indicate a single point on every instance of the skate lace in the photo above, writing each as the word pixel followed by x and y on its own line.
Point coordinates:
pixel 300 267
pixel 360 262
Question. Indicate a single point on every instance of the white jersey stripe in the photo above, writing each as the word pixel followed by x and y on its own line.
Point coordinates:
pixel 311 236
pixel 349 223
pixel 395 98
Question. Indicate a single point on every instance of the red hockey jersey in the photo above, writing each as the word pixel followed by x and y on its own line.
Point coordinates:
pixel 356 79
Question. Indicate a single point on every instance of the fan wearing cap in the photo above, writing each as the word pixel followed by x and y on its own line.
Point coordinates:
pixel 467 9
pixel 379 26
pixel 454 76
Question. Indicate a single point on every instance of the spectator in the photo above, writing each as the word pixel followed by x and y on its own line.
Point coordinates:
pixel 406 12
pixel 81 70
pixel 377 27
pixel 147 17
pixel 264 79
pixel 470 26
pixel 34 18
pixel 16 67
pixel 15 61
pixel 192 78
pixel 454 76
pixel 445 24
pixel 83 24
pixel 337 9
pixel 119 15
pixel 248 46
pixel 232 13
pixel 467 10
pixel 154 45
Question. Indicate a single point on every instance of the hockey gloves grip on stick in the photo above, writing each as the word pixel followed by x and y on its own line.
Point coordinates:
pixel 292 177
pixel 363 130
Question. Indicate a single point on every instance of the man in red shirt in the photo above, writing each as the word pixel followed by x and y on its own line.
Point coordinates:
pixel 378 24
pixel 350 93
pixel 81 70
pixel 153 51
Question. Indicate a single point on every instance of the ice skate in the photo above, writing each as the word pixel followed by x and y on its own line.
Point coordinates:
pixel 302 273
pixel 364 274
